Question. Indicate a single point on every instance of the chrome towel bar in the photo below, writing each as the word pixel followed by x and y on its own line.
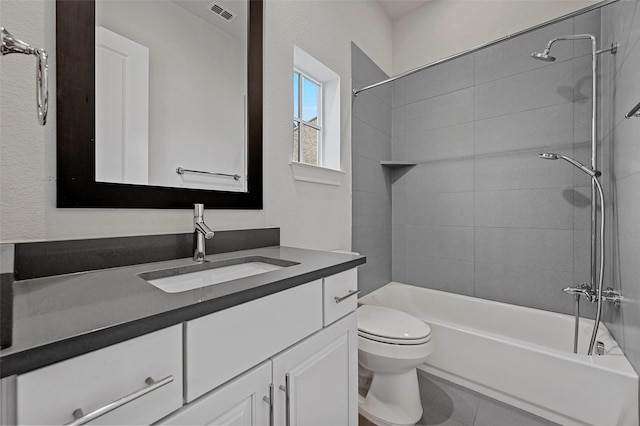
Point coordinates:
pixel 182 171
pixel 635 112
pixel 9 44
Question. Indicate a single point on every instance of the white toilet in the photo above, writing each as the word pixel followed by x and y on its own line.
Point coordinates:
pixel 391 344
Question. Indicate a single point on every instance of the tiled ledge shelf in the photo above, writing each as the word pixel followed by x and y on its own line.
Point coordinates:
pixel 394 164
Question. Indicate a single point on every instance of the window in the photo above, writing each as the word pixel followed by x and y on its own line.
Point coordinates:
pixel 316 121
pixel 307 119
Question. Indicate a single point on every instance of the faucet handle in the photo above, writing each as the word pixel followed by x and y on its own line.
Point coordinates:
pixel 198 210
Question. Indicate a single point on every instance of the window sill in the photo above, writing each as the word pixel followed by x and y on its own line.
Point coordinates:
pixel 316 174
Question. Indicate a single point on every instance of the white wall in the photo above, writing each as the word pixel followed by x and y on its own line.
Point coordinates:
pixel 315 215
pixel 310 215
pixel 442 28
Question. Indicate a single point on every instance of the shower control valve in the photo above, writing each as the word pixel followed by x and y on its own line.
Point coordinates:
pixel 610 295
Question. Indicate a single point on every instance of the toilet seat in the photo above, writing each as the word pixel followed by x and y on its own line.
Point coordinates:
pixel 387 325
pixel 393 341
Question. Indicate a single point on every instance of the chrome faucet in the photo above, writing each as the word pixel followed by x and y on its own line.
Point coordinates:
pixel 582 290
pixel 200 232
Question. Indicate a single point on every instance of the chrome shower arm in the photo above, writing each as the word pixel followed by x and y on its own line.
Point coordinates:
pixel 573 37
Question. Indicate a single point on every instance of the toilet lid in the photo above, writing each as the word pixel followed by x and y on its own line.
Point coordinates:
pixel 391 326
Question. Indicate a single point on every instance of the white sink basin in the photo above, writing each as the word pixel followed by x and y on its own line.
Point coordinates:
pixel 176 280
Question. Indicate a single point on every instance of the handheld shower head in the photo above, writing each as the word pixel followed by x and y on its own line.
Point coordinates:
pixel 587 170
pixel 544 56
pixel 548 156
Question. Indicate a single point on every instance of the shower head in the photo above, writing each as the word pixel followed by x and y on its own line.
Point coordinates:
pixel 544 56
pixel 587 170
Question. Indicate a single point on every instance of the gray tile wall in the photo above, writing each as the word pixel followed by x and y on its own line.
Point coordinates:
pixel 371 143
pixel 621 137
pixel 480 214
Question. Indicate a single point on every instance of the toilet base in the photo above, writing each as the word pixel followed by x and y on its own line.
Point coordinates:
pixel 393 399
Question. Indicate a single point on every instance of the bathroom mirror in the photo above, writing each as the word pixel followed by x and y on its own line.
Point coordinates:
pixel 77 147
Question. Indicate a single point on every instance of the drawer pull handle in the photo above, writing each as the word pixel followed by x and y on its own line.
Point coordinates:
pixel 287 390
pixel 269 400
pixel 351 293
pixel 81 418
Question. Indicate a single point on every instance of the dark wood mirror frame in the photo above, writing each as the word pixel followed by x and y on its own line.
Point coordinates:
pixel 76 185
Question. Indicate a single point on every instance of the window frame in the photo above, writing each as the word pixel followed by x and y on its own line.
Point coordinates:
pixel 301 122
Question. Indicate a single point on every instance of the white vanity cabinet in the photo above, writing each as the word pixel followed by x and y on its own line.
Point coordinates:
pixel 316 381
pixel 311 380
pixel 102 379
pixel 286 359
pixel 312 383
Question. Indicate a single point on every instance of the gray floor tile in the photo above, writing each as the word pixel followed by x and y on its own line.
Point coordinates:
pixel 443 399
pixel 434 418
pixel 446 403
pixel 494 413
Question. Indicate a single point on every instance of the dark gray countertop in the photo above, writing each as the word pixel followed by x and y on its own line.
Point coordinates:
pixel 59 317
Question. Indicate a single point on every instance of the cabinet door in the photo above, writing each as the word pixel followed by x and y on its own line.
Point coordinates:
pixel 316 380
pixel 241 402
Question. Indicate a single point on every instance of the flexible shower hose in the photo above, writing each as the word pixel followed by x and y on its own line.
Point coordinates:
pixel 601 275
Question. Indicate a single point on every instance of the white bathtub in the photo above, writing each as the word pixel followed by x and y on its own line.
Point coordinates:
pixel 521 356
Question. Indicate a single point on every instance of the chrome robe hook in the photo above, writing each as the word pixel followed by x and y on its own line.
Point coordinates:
pixel 10 44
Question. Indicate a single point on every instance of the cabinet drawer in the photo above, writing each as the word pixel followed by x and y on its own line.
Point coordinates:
pixel 89 382
pixel 340 286
pixel 222 345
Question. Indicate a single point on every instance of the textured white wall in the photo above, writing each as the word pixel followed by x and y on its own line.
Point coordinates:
pixel 442 28
pixel 316 215
pixel 310 215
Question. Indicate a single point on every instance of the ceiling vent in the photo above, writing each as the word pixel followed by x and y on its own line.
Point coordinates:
pixel 222 12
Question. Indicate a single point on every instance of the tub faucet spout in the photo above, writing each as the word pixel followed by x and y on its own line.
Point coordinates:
pixel 200 232
pixel 581 290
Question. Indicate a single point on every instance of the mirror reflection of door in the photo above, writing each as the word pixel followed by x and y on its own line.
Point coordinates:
pixel 171 93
